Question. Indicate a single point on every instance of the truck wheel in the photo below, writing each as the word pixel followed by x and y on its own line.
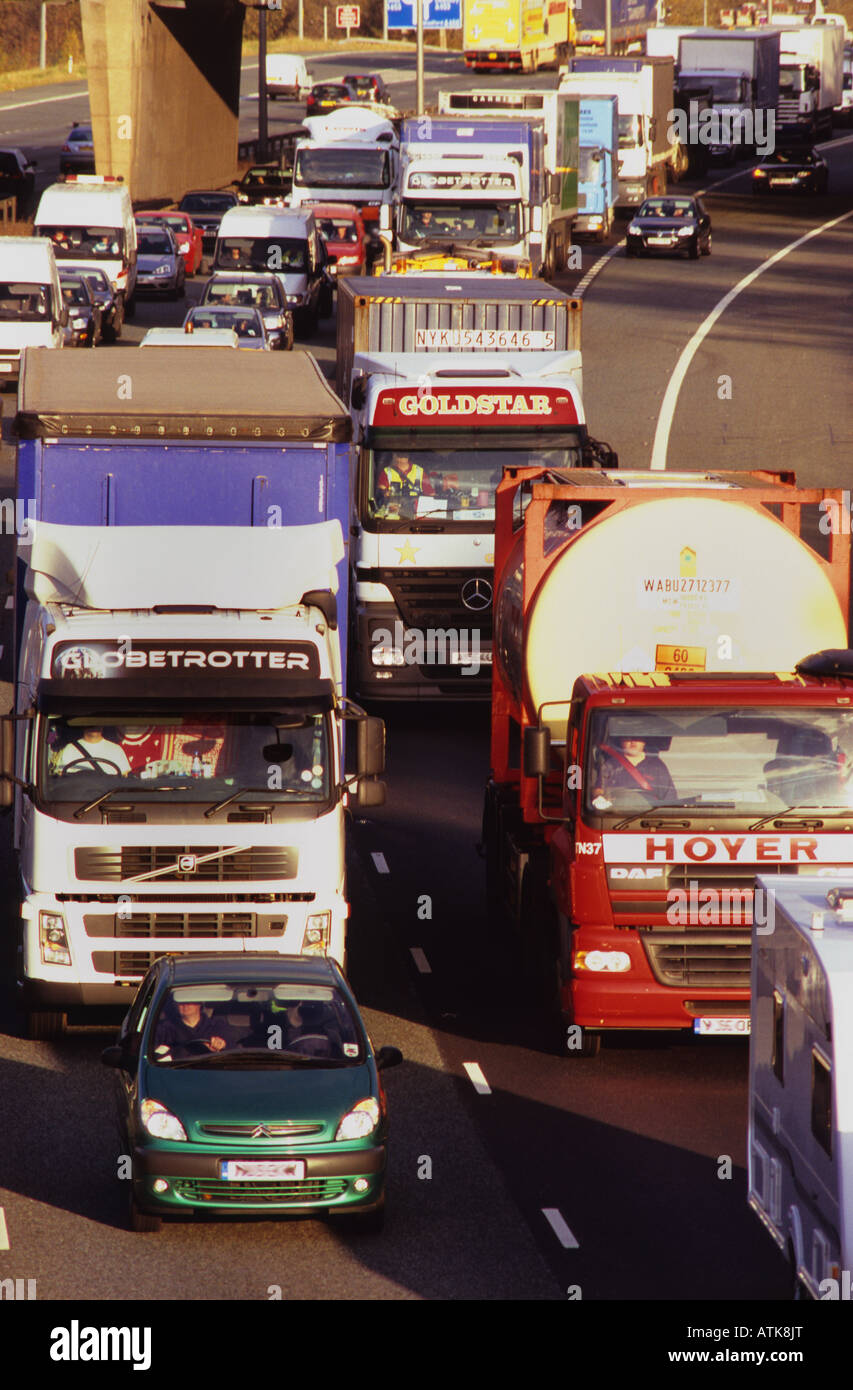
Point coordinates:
pixel 44 1025
pixel 142 1221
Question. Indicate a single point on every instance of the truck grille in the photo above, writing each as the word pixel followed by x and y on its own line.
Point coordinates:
pixel 114 864
pixel 734 883
pixel 708 960
pixel 133 965
pixel 260 1193
pixel 433 598
pixel 192 925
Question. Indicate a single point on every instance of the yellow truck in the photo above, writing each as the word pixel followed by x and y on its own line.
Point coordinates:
pixel 517 35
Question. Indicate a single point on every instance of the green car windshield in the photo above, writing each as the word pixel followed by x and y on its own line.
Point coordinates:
pixel 290 1021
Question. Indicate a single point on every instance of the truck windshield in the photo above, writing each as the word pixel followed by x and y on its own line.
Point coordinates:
pixel 792 81
pixel 84 243
pixel 485 222
pixel 342 166
pixel 261 253
pixel 198 758
pixel 743 762
pixel 630 132
pixel 445 486
pixel 724 88
pixel 24 302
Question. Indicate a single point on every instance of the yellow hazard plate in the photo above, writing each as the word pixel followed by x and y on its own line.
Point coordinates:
pixel 680 658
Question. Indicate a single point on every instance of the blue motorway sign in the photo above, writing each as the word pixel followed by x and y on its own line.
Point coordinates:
pixel 438 14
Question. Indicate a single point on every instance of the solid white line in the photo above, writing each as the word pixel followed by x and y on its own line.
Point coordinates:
pixel 670 400
pixel 477 1079
pixel 41 101
pixel 4 1234
pixel 420 960
pixel 559 1227
pixel 380 864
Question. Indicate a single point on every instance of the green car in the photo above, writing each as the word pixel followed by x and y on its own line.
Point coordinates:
pixel 249 1084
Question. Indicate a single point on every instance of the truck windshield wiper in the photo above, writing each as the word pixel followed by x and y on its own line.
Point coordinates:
pixel 799 813
pixel 91 805
pixel 675 806
pixel 226 801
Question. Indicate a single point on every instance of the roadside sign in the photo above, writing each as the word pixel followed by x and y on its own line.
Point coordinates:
pixel 348 16
pixel 438 14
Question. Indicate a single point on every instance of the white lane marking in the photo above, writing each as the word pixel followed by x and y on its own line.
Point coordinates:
pixel 4 1234
pixel 682 366
pixel 420 960
pixel 594 270
pixel 559 1227
pixel 380 863
pixel 477 1079
pixel 10 602
pixel 41 101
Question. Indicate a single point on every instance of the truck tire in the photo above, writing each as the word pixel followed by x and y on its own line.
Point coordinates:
pixel 45 1025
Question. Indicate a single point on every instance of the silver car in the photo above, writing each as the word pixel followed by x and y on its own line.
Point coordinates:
pixel 246 289
pixel 159 264
pixel 248 323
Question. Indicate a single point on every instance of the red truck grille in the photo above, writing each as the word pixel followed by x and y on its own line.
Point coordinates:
pixel 700 960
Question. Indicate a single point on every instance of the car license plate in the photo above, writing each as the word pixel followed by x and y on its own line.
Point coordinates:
pixel 710 1026
pixel 259 1170
pixel 661 240
pixel 775 182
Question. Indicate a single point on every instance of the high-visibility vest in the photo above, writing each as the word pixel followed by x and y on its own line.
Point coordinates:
pixel 411 483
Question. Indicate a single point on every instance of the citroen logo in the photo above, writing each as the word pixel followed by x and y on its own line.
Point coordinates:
pixel 477 594
pixel 261 1132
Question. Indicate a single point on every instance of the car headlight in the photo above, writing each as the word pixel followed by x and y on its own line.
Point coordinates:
pixel 164 269
pixel 602 961
pixel 759 173
pixel 275 321
pixel 360 1121
pixel 315 938
pixel 635 231
pixel 53 939
pixel 685 231
pixel 78 323
pixel 160 1122
pixel 184 247
pixel 804 174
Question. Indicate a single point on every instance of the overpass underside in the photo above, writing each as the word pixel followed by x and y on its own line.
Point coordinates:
pixel 164 91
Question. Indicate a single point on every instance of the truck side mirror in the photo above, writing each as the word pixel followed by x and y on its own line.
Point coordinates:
pixel 369 794
pixel 537 752
pixel 385 217
pixel 371 747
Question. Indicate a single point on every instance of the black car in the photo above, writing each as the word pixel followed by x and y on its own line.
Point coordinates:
pixel 111 304
pixel 264 182
pixel 207 208
pixel 680 226
pixel 325 97
pixel 793 169
pixel 84 313
pixel 368 86
pixel 17 179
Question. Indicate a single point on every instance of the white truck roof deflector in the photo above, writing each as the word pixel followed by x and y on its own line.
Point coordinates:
pixel 126 567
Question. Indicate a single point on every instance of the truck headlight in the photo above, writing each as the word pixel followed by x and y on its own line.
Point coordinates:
pixel 315 938
pixel 360 1121
pixel 602 961
pixel 383 655
pixel 160 1122
pixel 294 299
pixel 53 939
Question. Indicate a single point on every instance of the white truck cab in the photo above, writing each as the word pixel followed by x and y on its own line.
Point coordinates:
pixel 89 219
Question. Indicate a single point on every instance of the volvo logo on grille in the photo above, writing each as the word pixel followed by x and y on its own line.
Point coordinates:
pixel 477 594
pixel 187 863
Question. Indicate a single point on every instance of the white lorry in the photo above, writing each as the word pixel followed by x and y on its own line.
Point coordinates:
pixel 555 188
pixel 800 1096
pixel 643 88
pixel 350 156
pixel 811 79
pixel 32 311
pixel 176 753
pixel 741 67
pixel 89 219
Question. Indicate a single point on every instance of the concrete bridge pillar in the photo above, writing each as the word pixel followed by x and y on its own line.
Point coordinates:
pixel 164 91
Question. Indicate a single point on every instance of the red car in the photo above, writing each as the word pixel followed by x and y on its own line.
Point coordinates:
pixel 341 226
pixel 187 235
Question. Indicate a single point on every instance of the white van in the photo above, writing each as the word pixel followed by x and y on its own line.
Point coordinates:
pixel 287 76
pixel 32 310
pixel 89 219
pixel 801 1076
pixel 286 242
